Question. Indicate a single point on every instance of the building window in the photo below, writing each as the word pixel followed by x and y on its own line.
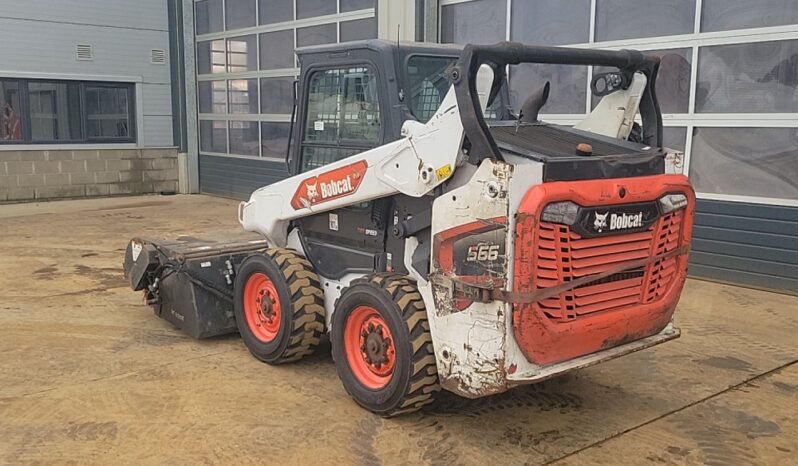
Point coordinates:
pixel 358 29
pixel 11 112
pixel 723 15
pixel 43 111
pixel 757 162
pixel 276 50
pixel 353 5
pixel 551 22
pixel 210 57
pixel 277 95
pixel 316 35
pixel 107 112
pixel 242 54
pixel 311 8
pixel 54 111
pixel 568 86
pixel 748 78
pixel 245 90
pixel 208 16
pixel 212 97
pixel 632 19
pixel 239 14
pixel 213 136
pixel 243 96
pixel 274 139
pixel 478 22
pixel 244 137
pixel 275 11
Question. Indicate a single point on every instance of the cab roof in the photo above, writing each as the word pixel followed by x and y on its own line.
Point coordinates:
pixel 382 46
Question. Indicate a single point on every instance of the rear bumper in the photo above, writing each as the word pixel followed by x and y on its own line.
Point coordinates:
pixel 519 378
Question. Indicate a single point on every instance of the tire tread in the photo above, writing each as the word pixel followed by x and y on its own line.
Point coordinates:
pixel 424 375
pixel 307 302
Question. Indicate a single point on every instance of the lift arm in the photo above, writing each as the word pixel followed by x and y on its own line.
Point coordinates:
pixel 425 157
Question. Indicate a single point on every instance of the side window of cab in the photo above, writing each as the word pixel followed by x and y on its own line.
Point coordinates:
pixel 342 117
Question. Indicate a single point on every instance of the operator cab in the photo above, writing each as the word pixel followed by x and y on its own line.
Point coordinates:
pixel 350 98
pixel 356 96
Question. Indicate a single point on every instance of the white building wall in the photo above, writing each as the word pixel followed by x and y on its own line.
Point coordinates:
pixel 39 40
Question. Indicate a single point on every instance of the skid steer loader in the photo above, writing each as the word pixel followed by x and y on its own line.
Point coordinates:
pixel 441 240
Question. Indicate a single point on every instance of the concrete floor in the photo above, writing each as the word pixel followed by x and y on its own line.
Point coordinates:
pixel 89 375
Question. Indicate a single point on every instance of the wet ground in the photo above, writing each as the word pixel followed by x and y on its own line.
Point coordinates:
pixel 89 375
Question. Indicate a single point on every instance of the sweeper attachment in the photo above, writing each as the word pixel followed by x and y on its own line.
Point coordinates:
pixel 441 240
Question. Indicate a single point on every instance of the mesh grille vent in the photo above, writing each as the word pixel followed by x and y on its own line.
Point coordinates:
pixel 84 52
pixel 158 56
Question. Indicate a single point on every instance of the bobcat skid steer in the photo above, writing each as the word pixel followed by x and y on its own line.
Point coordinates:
pixel 440 240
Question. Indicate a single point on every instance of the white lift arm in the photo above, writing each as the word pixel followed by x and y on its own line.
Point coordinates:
pixel 413 165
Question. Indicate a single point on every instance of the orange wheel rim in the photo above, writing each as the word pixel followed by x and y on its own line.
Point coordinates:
pixel 262 307
pixel 370 348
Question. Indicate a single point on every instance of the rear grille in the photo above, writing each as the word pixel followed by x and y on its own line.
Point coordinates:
pixel 563 256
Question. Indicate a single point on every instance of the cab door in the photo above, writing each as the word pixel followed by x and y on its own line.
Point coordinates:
pixel 341 118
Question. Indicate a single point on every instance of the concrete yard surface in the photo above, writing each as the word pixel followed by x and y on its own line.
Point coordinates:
pixel 88 375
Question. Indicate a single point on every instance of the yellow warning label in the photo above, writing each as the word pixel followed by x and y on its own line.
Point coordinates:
pixel 444 172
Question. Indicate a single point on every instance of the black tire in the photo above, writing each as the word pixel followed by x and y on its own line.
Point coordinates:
pixel 413 381
pixel 301 304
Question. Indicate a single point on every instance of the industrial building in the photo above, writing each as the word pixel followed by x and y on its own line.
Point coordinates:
pixel 124 97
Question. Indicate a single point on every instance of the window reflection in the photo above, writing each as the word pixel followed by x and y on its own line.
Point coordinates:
pixel 568 86
pixel 212 97
pixel 244 138
pixel 478 22
pixel 55 111
pixel 746 161
pixel 748 78
pixel 723 15
pixel 241 54
pixel 243 96
pixel 210 57
pixel 631 19
pixel 10 111
pixel 213 136
pixel 550 22
pixel 274 139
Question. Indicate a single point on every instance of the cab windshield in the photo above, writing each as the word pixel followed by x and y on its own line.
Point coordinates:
pixel 427 86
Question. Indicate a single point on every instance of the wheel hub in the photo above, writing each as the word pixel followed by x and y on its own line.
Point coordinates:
pixel 369 347
pixel 375 346
pixel 266 307
pixel 262 308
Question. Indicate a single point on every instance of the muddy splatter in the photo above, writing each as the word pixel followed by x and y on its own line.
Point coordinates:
pixel 364 438
pixel 46 273
pixel 677 451
pixel 789 388
pixel 135 205
pixel 107 276
pixel 543 397
pixel 727 362
pixel 91 431
pixel 723 435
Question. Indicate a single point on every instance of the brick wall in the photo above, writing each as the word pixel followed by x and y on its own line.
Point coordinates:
pixel 37 174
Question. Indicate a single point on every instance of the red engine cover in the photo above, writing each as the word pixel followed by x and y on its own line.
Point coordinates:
pixel 624 307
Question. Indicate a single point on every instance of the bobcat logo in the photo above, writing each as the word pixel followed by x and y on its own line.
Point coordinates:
pixel 329 185
pixel 600 223
pixel 313 193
